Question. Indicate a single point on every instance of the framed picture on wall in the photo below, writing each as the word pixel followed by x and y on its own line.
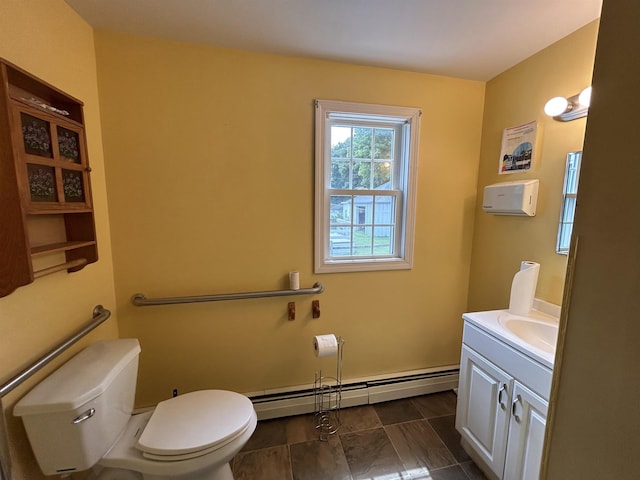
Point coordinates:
pixel 518 143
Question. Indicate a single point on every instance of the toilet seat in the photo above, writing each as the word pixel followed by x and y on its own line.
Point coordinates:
pixel 194 424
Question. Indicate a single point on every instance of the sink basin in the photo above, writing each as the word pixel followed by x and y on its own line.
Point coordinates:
pixel 539 334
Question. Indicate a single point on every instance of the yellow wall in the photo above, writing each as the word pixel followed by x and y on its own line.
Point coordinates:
pixel 515 97
pixel 209 157
pixel 46 38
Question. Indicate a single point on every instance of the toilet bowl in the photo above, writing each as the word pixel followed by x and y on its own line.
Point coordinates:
pixel 193 436
pixel 79 418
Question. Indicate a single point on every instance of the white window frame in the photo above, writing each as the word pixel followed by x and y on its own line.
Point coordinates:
pixel 408 120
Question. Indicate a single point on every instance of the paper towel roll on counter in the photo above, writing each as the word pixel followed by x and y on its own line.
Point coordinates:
pixel 523 288
pixel 325 345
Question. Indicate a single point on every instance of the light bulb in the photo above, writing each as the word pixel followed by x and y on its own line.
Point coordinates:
pixel 556 106
pixel 585 97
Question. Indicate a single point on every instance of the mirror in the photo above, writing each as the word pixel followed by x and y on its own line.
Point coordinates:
pixel 569 194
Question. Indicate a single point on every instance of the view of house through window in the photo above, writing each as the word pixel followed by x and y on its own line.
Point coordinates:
pixel 364 157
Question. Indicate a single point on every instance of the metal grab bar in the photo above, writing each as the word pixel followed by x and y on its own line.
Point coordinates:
pixel 100 314
pixel 140 300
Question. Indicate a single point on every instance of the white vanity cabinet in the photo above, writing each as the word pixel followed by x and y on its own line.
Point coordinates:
pixel 483 408
pixel 526 434
pixel 502 405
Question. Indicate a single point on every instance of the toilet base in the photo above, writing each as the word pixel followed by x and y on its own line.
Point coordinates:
pixel 113 474
pixel 222 473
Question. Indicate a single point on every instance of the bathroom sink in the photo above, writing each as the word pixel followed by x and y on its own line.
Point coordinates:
pixel 539 334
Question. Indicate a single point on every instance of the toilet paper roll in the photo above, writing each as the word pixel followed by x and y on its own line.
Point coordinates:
pixel 325 345
pixel 523 288
pixel 294 280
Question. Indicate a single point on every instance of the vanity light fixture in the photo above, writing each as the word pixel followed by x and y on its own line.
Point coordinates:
pixel 567 109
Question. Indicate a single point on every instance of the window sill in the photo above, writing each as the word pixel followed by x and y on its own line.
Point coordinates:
pixel 368 265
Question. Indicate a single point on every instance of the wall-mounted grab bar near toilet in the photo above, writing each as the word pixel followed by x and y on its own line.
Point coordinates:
pixel 140 300
pixel 100 314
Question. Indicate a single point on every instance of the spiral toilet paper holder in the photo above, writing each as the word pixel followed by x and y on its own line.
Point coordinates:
pixel 328 396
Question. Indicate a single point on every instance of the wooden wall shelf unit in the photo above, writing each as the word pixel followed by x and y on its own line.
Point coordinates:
pixel 45 189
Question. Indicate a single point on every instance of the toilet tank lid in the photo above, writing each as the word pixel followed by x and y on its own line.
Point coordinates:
pixel 81 379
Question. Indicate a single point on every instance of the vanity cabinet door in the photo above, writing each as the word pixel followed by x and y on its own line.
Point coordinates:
pixel 526 434
pixel 484 404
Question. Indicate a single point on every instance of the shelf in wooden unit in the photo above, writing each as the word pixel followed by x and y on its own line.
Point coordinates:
pixel 59 247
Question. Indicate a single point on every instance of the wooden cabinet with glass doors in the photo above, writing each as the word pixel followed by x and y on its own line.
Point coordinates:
pixel 46 215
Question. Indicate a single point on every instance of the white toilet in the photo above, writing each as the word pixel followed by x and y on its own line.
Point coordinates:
pixel 80 418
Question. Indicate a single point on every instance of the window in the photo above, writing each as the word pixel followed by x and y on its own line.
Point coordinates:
pixel 366 172
pixel 570 192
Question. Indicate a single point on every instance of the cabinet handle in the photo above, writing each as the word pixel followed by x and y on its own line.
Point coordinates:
pixel 513 408
pixel 503 388
pixel 84 416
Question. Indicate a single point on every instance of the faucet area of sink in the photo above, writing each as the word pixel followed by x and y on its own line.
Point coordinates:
pixel 534 334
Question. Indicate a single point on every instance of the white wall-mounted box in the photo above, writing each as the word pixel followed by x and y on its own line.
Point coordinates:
pixel 511 198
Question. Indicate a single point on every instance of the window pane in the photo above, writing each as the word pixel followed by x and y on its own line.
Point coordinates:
pixel 385 210
pixel 384 144
pixel 340 209
pixel 361 178
pixel 339 173
pixel 339 241
pixel 362 138
pixel 363 209
pixel 382 176
pixel 383 240
pixel 340 142
pixel 362 241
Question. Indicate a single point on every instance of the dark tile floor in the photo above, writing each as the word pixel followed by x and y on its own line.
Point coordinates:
pixel 406 439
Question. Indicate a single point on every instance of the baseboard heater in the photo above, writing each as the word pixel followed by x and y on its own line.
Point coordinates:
pixel 300 400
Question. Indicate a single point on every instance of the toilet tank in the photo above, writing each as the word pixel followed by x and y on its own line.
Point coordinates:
pixel 74 416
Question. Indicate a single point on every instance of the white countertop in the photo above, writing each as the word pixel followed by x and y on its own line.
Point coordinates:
pixel 489 322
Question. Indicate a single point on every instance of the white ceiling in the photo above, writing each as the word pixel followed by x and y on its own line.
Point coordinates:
pixel 472 39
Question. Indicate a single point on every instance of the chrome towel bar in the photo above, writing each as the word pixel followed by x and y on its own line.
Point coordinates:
pixel 140 300
pixel 100 314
